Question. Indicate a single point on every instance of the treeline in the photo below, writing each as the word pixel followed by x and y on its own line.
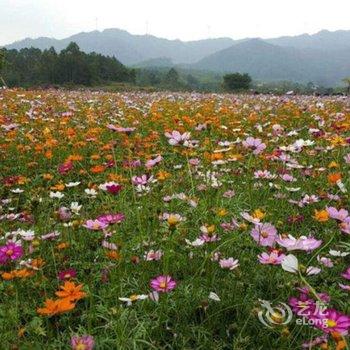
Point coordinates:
pixel 30 66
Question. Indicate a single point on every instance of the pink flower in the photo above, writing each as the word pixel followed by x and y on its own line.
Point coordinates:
pixel 163 284
pixel 287 178
pixel 152 162
pixel 85 342
pixel 302 243
pixel 194 161
pixel 120 129
pixel 229 263
pixel 111 218
pixel 10 251
pixel 346 274
pixel 347 158
pixel 153 255
pixel 64 214
pixel 345 227
pixel 140 180
pixel 344 286
pixel 255 144
pixel 95 225
pixel 264 234
pixel 340 214
pixel 325 261
pixel 175 138
pixel 273 258
pixel 229 194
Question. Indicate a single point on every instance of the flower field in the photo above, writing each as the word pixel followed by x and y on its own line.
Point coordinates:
pixel 174 221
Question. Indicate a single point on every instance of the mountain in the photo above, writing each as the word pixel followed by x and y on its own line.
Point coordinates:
pixel 323 40
pixel 323 58
pixel 132 49
pixel 267 62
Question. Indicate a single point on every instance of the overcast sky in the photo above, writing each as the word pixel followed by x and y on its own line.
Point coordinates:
pixel 182 19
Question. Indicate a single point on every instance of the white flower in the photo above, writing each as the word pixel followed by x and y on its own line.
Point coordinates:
pixel 132 298
pixel 17 190
pixel 312 270
pixel 73 184
pixel 214 296
pixel 90 192
pixel 75 207
pixel 196 243
pixel 290 263
pixel 338 253
pixel 57 195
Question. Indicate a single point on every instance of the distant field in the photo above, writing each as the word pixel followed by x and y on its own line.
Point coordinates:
pixel 173 221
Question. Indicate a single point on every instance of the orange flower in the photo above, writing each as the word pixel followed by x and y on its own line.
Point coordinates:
pixel 321 216
pixel 97 169
pixel 71 291
pixel 113 255
pixel 55 307
pixel 334 177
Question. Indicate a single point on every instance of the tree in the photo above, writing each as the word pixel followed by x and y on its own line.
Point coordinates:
pixel 2 63
pixel 172 77
pixel 237 81
pixel 347 82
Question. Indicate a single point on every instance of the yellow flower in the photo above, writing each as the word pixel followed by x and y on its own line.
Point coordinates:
pixel 258 214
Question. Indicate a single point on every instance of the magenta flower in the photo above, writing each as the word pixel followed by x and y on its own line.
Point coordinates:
pixel 272 258
pixel 95 225
pixel 111 218
pixel 264 234
pixel 114 188
pixel 303 306
pixel 65 168
pixel 346 274
pixel 334 321
pixel 67 274
pixel 10 251
pixel 255 144
pixel 163 284
pixel 85 342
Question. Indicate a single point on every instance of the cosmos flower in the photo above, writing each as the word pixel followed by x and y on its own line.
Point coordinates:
pixel 84 342
pixel 153 255
pixel 272 258
pixel 264 235
pixel 95 225
pixel 229 263
pixel 71 291
pixel 54 307
pixel 67 274
pixel 346 273
pixel 254 144
pixel 111 218
pixel 301 243
pixel 175 138
pixel 163 284
pixel 10 251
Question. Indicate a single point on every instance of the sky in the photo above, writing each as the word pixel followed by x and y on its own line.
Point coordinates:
pixel 172 19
